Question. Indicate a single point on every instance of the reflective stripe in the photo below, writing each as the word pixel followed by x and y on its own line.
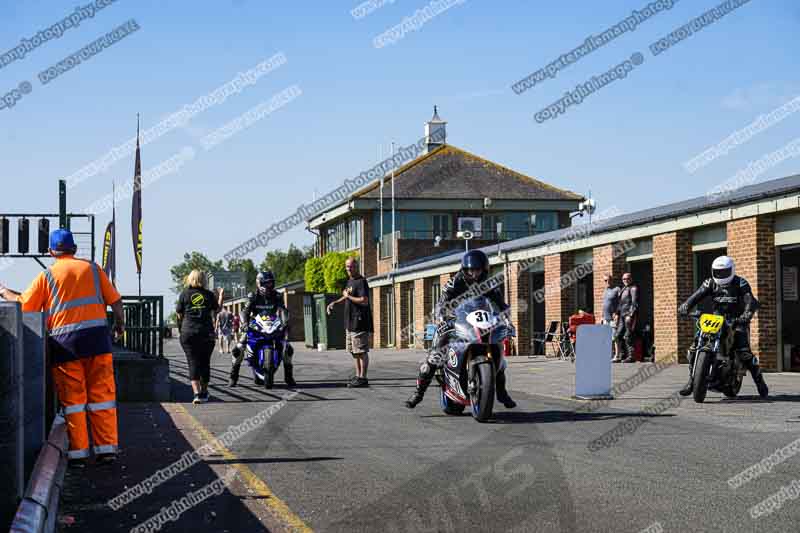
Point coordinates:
pixel 57 306
pixel 77 326
pixel 51 281
pixel 59 420
pixel 72 409
pixel 105 448
pixel 99 406
pixel 78 302
pixel 78 454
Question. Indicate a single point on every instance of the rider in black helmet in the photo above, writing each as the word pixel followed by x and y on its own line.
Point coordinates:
pixel 265 300
pixel 474 269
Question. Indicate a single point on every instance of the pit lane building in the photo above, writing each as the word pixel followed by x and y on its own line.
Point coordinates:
pixel 668 250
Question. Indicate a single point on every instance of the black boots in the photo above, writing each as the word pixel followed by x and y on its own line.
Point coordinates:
pixel 687 389
pixel 761 385
pixel 234 377
pixel 287 375
pixel 502 393
pixel 424 379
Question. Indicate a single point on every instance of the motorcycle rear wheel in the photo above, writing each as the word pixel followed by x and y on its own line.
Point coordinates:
pixel 702 366
pixel 483 398
pixel 734 391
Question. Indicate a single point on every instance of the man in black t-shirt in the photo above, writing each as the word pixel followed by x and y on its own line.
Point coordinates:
pixel 357 321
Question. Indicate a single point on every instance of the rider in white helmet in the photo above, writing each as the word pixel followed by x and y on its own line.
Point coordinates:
pixel 733 299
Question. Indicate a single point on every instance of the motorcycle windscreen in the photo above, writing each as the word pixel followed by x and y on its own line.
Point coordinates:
pixel 478 320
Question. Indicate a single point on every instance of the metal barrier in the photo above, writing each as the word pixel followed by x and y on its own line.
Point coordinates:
pixel 144 324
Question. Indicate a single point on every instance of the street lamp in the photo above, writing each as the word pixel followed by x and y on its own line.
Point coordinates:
pixel 466 235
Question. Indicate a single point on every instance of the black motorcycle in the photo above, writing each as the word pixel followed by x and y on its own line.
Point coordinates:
pixel 473 358
pixel 716 366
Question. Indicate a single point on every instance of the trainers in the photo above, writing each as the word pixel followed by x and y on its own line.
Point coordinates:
pixel 106 458
pixel 258 380
pixel 353 381
pixel 358 383
pixel 629 360
pixel 204 397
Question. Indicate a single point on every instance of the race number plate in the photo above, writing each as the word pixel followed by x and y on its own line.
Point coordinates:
pixel 711 323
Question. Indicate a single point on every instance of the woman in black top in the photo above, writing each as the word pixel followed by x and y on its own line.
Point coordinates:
pixel 196 309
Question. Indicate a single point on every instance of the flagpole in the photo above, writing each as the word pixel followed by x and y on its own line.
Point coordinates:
pixel 394 240
pixel 140 199
pixel 113 257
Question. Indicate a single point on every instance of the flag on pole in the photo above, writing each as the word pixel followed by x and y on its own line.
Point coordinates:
pixel 108 250
pixel 136 210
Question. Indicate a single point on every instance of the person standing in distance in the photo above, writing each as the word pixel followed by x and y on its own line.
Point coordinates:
pixel 196 309
pixel 358 321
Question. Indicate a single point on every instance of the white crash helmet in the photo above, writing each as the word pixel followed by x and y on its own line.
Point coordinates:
pixel 722 270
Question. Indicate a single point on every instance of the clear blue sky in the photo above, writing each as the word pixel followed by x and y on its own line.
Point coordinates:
pixel 626 143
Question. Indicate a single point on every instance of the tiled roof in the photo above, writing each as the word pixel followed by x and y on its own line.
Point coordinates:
pixel 451 173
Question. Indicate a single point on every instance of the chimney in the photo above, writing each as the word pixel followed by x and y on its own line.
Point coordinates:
pixel 435 133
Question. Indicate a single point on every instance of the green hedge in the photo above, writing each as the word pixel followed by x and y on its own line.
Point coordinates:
pixel 335 273
pixel 314 275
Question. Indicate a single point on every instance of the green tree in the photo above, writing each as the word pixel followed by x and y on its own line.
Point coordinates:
pixel 314 276
pixel 289 265
pixel 194 260
pixel 248 267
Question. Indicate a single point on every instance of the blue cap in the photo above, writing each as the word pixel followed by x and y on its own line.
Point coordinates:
pixel 61 240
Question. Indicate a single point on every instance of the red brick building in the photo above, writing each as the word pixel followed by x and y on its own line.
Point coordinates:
pixel 668 250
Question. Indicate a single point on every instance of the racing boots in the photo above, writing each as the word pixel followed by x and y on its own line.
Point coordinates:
pixel 287 375
pixel 761 385
pixel 424 379
pixel 502 393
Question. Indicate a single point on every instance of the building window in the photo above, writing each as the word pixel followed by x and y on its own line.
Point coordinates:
pixel 343 236
pixel 441 226
pixel 546 221
pixel 436 293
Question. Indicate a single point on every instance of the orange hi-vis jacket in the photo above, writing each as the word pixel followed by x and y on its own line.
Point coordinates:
pixel 74 293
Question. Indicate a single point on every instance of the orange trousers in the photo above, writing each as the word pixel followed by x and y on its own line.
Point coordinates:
pixel 83 385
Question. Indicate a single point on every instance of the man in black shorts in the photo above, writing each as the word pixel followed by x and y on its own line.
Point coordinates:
pixel 358 321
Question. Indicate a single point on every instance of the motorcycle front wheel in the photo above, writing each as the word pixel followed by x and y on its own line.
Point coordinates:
pixel 702 367
pixel 269 372
pixel 482 398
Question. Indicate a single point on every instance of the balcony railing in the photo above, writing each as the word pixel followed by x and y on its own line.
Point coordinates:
pixel 491 235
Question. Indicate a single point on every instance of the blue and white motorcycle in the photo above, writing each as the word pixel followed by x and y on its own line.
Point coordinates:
pixel 265 346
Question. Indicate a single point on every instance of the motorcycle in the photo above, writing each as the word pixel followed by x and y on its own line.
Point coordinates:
pixel 474 356
pixel 716 366
pixel 265 345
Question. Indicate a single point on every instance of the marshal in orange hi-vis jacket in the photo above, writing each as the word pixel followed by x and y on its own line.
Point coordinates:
pixel 75 293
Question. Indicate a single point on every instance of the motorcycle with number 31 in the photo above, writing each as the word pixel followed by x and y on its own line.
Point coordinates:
pixel 474 355
pixel 716 366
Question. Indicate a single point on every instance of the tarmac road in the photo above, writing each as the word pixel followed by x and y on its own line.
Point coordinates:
pixel 339 459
